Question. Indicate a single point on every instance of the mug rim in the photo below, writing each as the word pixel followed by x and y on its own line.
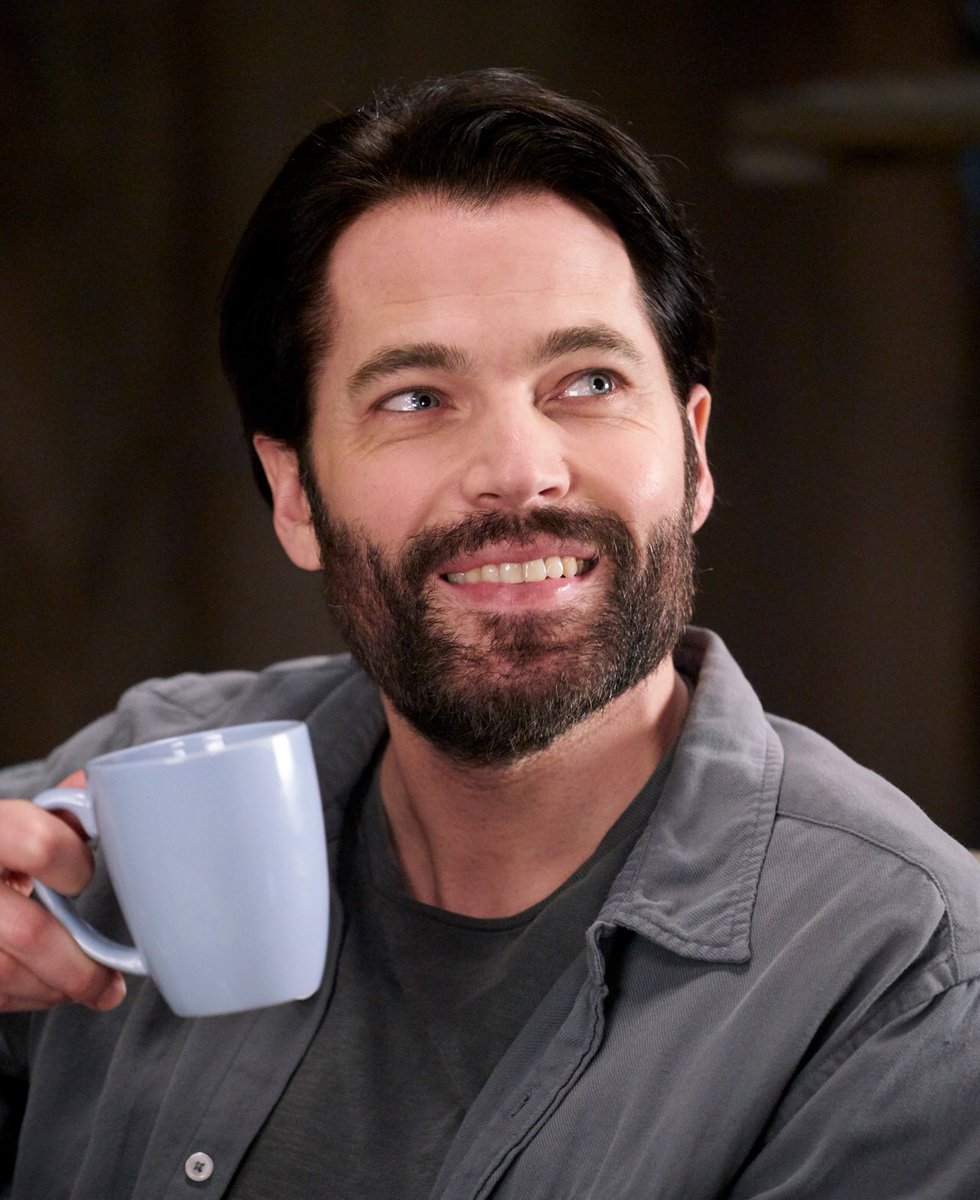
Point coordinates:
pixel 195 744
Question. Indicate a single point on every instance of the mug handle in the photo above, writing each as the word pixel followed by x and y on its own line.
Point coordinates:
pixel 78 801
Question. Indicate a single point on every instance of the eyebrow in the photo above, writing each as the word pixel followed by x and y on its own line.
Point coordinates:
pixel 584 337
pixel 434 356
pixel 429 356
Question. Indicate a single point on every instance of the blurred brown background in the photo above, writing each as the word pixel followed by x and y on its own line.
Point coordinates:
pixel 825 151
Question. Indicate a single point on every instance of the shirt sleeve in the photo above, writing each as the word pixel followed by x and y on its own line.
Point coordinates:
pixel 895 1115
pixel 157 708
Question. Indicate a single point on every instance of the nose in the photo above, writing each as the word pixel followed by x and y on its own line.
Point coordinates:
pixel 515 457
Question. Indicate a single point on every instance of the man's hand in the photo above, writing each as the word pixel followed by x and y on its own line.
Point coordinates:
pixel 40 964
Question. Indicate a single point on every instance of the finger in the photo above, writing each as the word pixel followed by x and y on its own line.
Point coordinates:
pixel 21 991
pixel 34 842
pixel 77 779
pixel 40 963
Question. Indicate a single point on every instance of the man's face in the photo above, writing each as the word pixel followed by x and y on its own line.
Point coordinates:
pixel 494 406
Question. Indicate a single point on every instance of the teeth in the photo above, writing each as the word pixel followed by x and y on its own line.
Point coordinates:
pixel 535 571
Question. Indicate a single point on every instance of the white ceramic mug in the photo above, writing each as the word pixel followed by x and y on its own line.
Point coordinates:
pixel 215 848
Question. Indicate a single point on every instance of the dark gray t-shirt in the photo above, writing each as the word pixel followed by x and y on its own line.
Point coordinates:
pixel 426 1003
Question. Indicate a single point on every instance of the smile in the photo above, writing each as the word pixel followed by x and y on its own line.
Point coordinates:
pixel 535 571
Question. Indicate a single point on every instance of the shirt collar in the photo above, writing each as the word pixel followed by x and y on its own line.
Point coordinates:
pixel 691 882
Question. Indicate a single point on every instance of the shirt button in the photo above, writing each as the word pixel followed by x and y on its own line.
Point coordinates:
pixel 199 1166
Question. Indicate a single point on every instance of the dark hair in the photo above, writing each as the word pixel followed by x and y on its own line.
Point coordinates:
pixel 474 138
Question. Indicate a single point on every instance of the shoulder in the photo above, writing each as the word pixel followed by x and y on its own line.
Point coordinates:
pixel 159 708
pixel 842 823
pixel 824 786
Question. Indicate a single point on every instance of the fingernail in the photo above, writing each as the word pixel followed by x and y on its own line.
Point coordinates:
pixel 113 995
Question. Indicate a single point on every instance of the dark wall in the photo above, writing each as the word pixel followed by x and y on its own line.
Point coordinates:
pixel 841 561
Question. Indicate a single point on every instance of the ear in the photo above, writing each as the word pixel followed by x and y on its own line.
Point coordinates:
pixel 290 508
pixel 697 412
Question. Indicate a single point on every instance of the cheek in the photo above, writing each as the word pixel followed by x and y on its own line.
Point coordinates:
pixel 639 481
pixel 386 500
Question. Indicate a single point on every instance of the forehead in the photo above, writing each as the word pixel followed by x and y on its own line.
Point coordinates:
pixel 425 217
pixel 525 259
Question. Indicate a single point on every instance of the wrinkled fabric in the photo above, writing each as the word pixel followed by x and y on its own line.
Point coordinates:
pixel 779 997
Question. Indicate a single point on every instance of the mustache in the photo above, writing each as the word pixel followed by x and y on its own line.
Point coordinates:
pixel 596 527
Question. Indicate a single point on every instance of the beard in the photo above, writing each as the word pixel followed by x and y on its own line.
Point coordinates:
pixel 524 679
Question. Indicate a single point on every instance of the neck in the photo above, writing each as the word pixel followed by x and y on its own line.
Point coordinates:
pixel 492 841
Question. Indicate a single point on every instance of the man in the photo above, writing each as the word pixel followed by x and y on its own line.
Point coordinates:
pixel 604 929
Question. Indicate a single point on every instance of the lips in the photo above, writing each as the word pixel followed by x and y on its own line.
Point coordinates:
pixel 552 547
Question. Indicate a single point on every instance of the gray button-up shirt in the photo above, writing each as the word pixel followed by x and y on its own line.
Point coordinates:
pixel 779 998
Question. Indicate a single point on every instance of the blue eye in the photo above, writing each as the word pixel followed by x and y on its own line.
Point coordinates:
pixel 592 383
pixel 413 400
